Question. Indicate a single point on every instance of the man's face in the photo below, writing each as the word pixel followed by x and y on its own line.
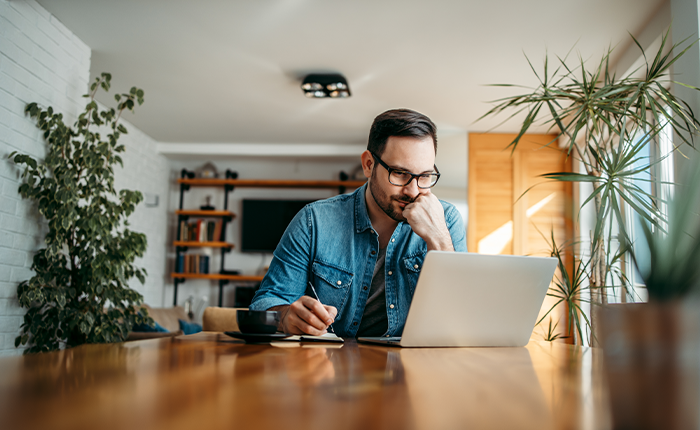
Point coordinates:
pixel 413 154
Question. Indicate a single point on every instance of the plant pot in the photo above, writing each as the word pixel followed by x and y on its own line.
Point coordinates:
pixel 652 362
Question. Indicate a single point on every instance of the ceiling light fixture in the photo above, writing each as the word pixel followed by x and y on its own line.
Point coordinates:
pixel 332 85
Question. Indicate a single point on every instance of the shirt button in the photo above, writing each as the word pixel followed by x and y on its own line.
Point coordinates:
pixel 390 273
pixel 393 240
pixel 340 283
pixel 364 288
pixel 415 266
pixel 391 306
pixel 373 252
pixel 355 323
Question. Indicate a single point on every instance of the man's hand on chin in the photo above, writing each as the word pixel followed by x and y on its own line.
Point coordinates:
pixel 427 219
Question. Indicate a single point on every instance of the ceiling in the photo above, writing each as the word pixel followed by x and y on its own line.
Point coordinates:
pixel 222 71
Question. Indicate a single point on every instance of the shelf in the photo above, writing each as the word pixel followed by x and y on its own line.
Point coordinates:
pixel 218 277
pixel 268 183
pixel 228 183
pixel 201 213
pixel 182 243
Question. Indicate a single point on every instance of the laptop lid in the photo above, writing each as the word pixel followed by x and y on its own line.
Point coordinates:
pixel 468 299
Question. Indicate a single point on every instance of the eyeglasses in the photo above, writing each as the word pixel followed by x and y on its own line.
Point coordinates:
pixel 402 178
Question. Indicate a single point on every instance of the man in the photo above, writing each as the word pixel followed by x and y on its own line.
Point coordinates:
pixel 363 252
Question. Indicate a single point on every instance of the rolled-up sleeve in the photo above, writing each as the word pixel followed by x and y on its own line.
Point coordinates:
pixel 455 225
pixel 286 279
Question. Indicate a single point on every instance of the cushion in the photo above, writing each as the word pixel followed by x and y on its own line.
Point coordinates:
pixel 168 318
pixel 189 327
pixel 148 329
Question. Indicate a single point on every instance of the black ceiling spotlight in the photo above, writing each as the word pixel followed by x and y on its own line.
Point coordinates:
pixel 325 85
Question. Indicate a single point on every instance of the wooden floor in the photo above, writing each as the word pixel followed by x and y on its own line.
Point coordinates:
pixel 210 381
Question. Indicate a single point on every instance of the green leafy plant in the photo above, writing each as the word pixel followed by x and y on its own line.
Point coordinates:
pixel 606 122
pixel 568 290
pixel 552 334
pixel 672 270
pixel 79 293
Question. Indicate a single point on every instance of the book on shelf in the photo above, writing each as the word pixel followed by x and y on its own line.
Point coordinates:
pixel 192 263
pixel 204 264
pixel 201 231
pixel 210 231
pixel 180 264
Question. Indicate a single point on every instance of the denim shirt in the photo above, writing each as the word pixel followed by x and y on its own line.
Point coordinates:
pixel 331 243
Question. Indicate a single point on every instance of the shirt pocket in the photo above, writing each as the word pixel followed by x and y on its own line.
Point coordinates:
pixel 332 284
pixel 413 266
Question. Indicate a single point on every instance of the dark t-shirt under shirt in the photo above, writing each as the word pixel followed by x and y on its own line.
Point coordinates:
pixel 374 319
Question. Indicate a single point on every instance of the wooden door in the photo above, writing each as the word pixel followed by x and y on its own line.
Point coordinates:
pixel 503 217
pixel 512 210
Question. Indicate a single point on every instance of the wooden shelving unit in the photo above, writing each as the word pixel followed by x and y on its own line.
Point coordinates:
pixel 268 183
pixel 187 244
pixel 205 214
pixel 218 276
pixel 229 183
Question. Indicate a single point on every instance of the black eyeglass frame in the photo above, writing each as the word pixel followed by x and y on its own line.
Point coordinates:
pixel 413 175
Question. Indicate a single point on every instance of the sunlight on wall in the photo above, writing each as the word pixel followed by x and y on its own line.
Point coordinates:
pixel 539 205
pixel 496 241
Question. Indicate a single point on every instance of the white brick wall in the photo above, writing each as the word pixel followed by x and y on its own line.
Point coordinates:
pixel 147 171
pixel 42 61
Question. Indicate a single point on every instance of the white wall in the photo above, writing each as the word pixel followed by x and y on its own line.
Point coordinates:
pixel 451 160
pixel 42 61
pixel 686 24
pixel 147 171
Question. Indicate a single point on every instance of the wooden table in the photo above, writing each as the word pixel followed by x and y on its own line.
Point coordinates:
pixel 210 381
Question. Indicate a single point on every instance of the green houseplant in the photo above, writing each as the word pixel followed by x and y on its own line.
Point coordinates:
pixel 606 123
pixel 79 292
pixel 652 350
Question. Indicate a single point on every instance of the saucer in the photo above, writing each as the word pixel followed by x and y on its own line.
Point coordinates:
pixel 255 337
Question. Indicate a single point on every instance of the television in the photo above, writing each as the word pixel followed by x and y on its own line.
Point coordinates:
pixel 263 222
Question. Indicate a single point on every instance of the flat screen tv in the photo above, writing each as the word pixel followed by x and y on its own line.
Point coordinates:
pixel 264 221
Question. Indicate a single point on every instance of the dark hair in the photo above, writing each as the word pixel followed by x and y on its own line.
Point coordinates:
pixel 399 122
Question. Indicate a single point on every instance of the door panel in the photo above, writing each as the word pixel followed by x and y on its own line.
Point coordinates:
pixel 511 207
pixel 503 217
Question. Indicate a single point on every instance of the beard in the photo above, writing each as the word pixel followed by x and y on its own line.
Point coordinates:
pixel 385 201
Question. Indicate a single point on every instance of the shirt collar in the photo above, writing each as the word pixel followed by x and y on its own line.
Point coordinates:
pixel 362 221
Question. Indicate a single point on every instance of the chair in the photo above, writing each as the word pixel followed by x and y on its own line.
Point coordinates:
pixel 220 319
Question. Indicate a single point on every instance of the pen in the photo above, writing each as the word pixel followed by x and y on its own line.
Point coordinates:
pixel 319 300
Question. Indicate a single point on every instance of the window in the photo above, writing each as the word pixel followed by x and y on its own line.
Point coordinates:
pixel 656 181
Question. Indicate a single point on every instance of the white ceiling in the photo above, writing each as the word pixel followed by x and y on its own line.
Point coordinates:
pixel 229 71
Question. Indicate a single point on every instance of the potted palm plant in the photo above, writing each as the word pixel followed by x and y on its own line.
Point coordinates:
pixel 606 123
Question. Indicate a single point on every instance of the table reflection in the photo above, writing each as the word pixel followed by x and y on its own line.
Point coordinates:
pixel 216 382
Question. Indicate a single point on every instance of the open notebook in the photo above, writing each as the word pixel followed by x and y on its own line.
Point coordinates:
pixel 328 337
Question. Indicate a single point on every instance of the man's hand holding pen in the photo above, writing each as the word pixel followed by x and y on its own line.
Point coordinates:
pixel 306 316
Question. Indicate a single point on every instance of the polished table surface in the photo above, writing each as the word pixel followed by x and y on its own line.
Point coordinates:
pixel 211 381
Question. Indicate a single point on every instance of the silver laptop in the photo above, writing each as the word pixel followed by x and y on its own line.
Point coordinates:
pixel 466 299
